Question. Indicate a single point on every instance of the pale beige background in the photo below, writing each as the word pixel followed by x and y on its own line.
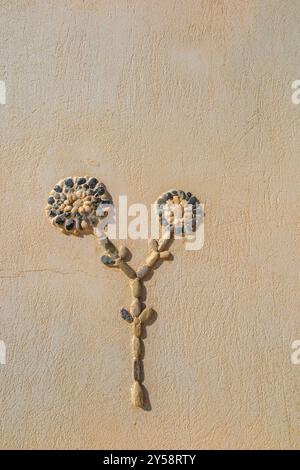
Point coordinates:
pixel 149 95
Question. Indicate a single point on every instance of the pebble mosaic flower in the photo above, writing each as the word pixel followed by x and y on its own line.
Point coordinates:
pixel 76 205
pixel 179 210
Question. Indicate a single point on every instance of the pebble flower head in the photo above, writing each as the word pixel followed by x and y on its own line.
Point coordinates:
pixel 179 210
pixel 75 204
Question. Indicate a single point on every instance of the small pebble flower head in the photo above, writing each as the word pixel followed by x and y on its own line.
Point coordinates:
pixel 76 204
pixel 179 211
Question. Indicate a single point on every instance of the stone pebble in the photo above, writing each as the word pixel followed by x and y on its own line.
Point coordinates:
pixel 126 315
pixel 146 315
pixel 137 327
pixel 164 255
pixel 136 288
pixel 137 395
pixel 123 252
pixel 135 308
pixel 142 271
pixel 152 258
pixel 136 346
pixel 137 370
pixel 163 244
pixel 153 245
pixel 107 260
pixel 127 269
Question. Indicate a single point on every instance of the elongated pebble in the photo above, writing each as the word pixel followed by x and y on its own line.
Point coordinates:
pixel 153 245
pixel 135 308
pixel 137 371
pixel 146 315
pixel 165 254
pixel 136 288
pixel 137 395
pixel 109 246
pixel 162 245
pixel 123 252
pixel 127 270
pixel 136 346
pixel 142 271
pixel 152 258
pixel 137 328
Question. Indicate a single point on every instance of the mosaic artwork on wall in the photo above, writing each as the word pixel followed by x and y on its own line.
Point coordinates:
pixel 80 206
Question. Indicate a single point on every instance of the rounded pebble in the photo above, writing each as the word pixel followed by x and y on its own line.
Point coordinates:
pixel 192 200
pixel 59 220
pixel 107 260
pixel 92 182
pixel 70 224
pixel 100 191
pixel 146 315
pixel 81 181
pixel 69 182
pixel 123 252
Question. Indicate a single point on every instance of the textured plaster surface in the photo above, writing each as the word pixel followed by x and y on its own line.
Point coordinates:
pixel 149 95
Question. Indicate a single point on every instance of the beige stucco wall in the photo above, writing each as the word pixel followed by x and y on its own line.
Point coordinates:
pixel 149 95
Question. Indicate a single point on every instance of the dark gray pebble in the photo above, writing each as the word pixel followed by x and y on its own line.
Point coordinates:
pixel 137 370
pixel 69 182
pixel 81 181
pixel 99 191
pixel 58 188
pixel 107 260
pixel 126 315
pixel 69 224
pixel 92 182
pixel 192 200
pixel 59 220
